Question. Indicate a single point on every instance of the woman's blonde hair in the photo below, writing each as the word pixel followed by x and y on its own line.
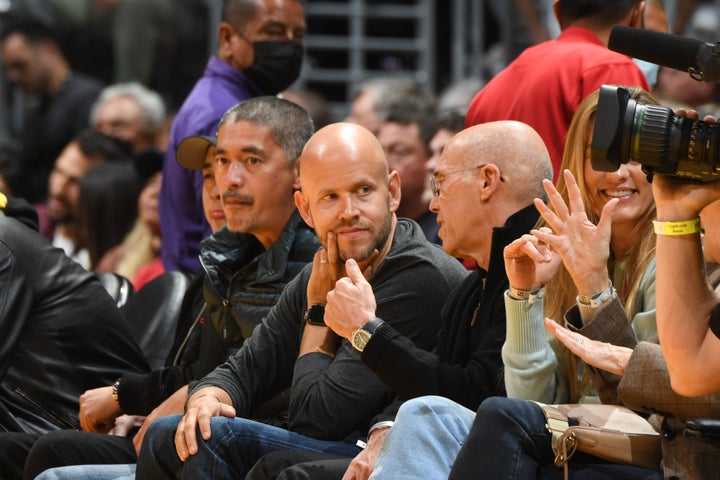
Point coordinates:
pixel 561 291
pixel 139 249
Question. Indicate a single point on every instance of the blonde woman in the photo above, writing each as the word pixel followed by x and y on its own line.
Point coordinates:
pixel 595 245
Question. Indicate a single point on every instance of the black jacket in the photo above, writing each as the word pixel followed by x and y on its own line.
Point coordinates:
pixel 466 365
pixel 61 332
pixel 238 285
pixel 334 397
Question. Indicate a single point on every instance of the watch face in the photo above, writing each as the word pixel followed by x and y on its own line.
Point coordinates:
pixel 360 338
pixel 315 315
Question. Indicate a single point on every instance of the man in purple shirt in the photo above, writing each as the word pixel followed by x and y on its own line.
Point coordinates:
pixel 259 53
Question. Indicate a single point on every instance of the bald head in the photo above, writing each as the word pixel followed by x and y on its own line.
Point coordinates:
pixel 342 145
pixel 486 174
pixel 346 193
pixel 514 147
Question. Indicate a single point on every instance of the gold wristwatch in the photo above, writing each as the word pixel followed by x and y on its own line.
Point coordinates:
pixel 360 337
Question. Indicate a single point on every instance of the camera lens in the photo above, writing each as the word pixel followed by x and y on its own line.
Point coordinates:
pixel 654 136
pixel 652 131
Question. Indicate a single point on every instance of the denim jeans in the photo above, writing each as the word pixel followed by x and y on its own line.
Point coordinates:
pixel 89 472
pixel 234 447
pixel 508 440
pixel 427 435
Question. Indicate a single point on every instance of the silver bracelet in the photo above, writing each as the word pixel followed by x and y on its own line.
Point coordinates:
pixel 598 299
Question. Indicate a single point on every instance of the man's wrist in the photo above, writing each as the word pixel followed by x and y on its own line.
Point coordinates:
pixel 210 391
pixel 675 228
pixel 674 213
pixel 114 391
pixel 379 425
pixel 361 336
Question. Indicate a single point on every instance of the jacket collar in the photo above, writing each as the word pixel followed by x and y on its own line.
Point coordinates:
pixel 20 210
pixel 224 253
pixel 518 224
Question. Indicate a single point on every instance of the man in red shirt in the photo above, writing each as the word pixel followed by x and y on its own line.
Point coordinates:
pixel 544 85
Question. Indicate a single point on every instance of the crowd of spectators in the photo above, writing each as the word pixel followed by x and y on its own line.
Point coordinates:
pixel 384 295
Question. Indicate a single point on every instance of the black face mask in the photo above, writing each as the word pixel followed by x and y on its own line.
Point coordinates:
pixel 276 65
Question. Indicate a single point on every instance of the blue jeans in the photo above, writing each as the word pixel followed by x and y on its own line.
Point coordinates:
pixel 89 472
pixel 234 447
pixel 508 440
pixel 427 435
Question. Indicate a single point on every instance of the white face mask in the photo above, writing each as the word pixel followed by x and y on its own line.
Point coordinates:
pixel 650 70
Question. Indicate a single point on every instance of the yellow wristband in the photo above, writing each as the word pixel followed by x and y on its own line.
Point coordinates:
pixel 677 228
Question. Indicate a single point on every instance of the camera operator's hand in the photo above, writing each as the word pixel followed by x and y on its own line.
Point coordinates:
pixel 679 200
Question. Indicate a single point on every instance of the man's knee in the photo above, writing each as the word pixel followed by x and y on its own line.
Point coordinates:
pixel 430 405
pixel 298 465
pixel 161 433
pixel 15 448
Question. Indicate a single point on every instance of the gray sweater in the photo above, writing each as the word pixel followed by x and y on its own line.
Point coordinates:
pixel 335 398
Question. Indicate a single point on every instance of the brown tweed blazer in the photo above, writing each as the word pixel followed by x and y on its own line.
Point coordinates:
pixel 645 387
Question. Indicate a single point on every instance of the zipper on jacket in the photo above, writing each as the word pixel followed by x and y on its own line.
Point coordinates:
pixel 226 312
pixel 52 416
pixel 187 336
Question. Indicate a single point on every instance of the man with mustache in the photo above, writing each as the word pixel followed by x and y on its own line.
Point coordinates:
pixel 246 266
pixel 349 197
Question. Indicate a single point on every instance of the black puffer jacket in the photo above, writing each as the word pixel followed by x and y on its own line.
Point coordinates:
pixel 244 281
pixel 61 332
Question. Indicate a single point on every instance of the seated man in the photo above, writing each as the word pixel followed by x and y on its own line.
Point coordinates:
pixel 350 198
pixel 481 208
pixel 405 132
pixel 58 218
pixel 245 268
pixel 62 334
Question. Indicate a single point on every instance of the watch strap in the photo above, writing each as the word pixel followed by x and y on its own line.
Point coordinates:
pixel 315 315
pixel 372 325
